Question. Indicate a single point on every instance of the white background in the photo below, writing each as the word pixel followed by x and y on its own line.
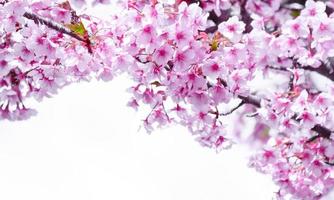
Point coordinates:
pixel 85 144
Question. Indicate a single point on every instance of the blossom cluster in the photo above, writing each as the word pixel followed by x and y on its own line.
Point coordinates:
pixel 193 64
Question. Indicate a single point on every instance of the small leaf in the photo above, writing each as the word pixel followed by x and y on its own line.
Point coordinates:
pixel 295 13
pixel 78 28
pixel 214 45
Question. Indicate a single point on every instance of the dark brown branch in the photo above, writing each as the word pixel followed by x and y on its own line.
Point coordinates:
pixel 3 2
pixel 329 163
pixel 57 27
pixel 322 131
pixel 39 20
pixel 250 100
pixel 245 17
pixel 278 68
pixel 291 80
pixel 234 109
pixel 225 15
pixel 323 69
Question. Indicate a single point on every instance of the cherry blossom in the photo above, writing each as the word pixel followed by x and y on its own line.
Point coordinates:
pixel 223 69
pixel 232 29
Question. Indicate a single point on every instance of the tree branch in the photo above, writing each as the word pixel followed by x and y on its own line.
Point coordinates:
pixel 323 69
pixel 225 14
pixel 39 20
pixel 245 17
pixel 321 130
pixel 57 27
pixel 3 2
pixel 250 100
pixel 234 109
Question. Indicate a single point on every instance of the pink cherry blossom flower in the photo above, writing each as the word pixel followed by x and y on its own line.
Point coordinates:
pixel 182 37
pixel 314 9
pixel 182 59
pixel 61 15
pixel 232 29
pixel 199 100
pixel 308 120
pixel 212 69
pixel 24 53
pixel 219 94
pixel 163 54
pixel 147 34
pixel 323 28
pixel 296 28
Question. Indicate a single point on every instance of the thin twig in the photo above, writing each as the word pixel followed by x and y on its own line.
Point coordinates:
pixel 234 109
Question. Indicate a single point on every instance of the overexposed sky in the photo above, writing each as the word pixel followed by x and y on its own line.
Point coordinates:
pixel 85 144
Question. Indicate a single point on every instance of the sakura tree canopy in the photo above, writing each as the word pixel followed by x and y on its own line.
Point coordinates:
pixel 194 63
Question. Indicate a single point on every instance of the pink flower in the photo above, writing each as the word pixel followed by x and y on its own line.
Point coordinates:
pixel 147 34
pixel 232 29
pixel 23 113
pixel 307 119
pixel 61 15
pixel 322 101
pixel 237 80
pixel 182 37
pixel 182 59
pixel 159 116
pixel 212 69
pixel 163 54
pixel 237 52
pixel 301 103
pixel 106 75
pixel 199 101
pixel 296 28
pixel 288 125
pixel 23 52
pixel 263 8
pixel 219 94
pixel 16 7
pixel 314 9
pixel 40 45
pixel 323 29
pixel 148 97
